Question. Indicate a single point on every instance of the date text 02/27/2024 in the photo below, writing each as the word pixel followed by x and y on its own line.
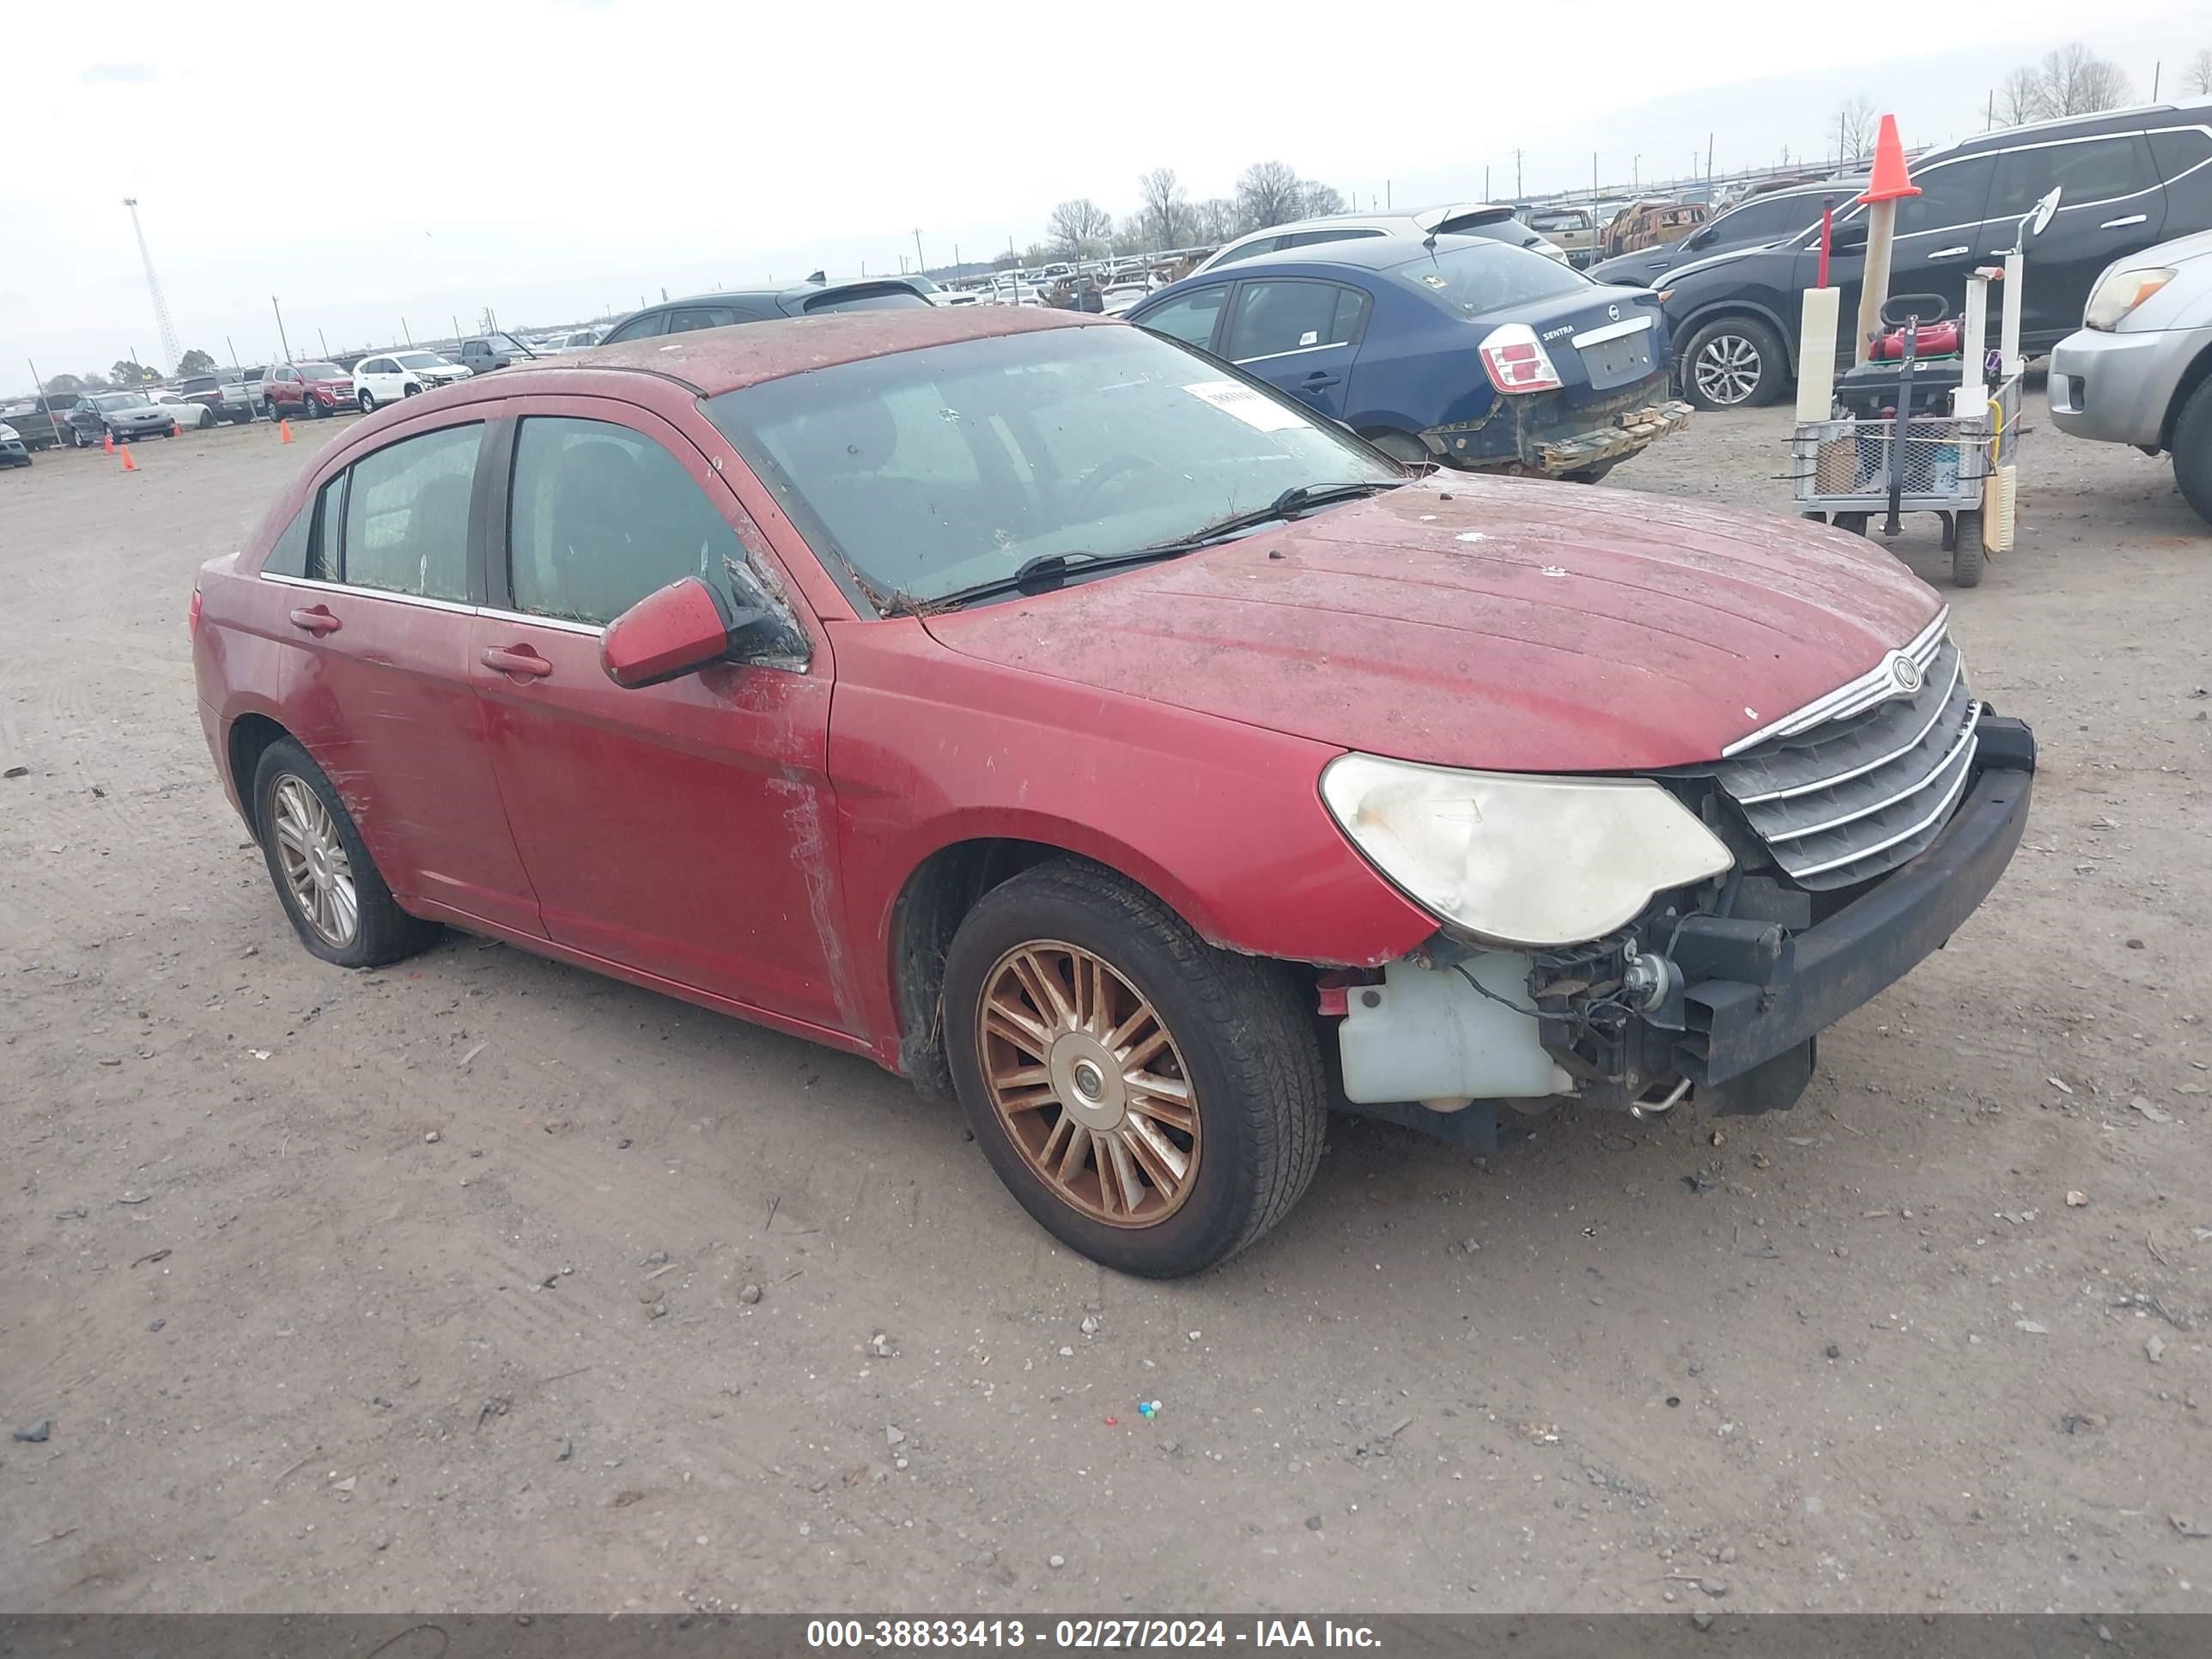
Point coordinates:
pixel 1085 1634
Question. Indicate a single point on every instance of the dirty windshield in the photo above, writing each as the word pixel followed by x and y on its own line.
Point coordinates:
pixel 1479 276
pixel 936 469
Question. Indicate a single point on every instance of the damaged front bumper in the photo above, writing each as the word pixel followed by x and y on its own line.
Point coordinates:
pixel 1726 1006
pixel 1518 435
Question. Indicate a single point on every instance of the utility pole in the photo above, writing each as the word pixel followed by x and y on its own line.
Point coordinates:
pixel 1516 175
pixel 232 350
pixel 154 286
pixel 1709 163
pixel 1386 195
pixel 404 333
pixel 1636 171
pixel 325 344
pixel 281 340
pixel 919 263
pixel 2156 65
pixel 1486 181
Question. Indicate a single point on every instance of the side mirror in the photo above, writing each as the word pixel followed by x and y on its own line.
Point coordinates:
pixel 1851 234
pixel 2039 220
pixel 684 627
pixel 668 634
pixel 1702 239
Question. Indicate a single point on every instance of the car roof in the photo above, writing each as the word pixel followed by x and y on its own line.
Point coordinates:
pixel 712 360
pixel 2066 126
pixel 1358 254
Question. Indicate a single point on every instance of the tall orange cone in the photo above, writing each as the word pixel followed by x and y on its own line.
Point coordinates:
pixel 284 432
pixel 1885 189
pixel 129 465
pixel 176 426
pixel 1888 182
pixel 108 441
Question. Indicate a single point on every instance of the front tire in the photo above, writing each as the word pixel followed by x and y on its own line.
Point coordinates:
pixel 1153 1102
pixel 2192 451
pixel 1733 362
pixel 329 886
pixel 368 403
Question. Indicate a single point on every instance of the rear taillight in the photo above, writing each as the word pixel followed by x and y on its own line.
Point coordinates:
pixel 192 616
pixel 1516 360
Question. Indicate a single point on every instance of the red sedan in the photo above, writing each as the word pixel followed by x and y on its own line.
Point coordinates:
pixel 1076 726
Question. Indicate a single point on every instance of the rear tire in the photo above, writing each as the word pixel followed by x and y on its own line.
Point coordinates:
pixel 1403 447
pixel 1238 1096
pixel 2192 451
pixel 1592 474
pixel 1853 522
pixel 304 851
pixel 1967 558
pixel 1733 362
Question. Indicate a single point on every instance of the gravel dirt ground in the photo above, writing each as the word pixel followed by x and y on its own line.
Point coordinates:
pixel 426 1288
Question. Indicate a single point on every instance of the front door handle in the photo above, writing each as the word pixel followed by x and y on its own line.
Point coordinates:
pixel 519 660
pixel 2118 224
pixel 1317 379
pixel 316 620
pixel 1950 252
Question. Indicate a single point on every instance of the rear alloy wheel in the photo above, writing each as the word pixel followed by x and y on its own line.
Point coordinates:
pixel 1733 362
pixel 1154 1103
pixel 268 409
pixel 329 886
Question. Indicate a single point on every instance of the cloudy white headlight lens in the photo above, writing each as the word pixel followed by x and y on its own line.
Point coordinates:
pixel 2119 292
pixel 1522 860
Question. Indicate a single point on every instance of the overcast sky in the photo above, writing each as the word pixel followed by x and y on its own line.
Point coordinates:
pixel 557 159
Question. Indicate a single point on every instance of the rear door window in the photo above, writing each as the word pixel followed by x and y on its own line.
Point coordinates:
pixel 640 328
pixel 288 557
pixel 2180 151
pixel 893 298
pixel 1251 250
pixel 601 516
pixel 2087 171
pixel 684 319
pixel 1273 318
pixel 407 515
pixel 1190 318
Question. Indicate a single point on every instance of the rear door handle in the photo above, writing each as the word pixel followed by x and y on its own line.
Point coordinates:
pixel 517 660
pixel 1950 252
pixel 2115 224
pixel 1319 379
pixel 315 620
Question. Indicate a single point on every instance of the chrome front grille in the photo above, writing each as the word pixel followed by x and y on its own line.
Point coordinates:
pixel 1846 797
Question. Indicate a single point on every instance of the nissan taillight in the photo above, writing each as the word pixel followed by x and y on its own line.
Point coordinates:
pixel 1516 361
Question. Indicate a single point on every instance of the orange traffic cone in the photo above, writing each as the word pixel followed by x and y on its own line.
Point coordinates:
pixel 176 426
pixel 108 441
pixel 284 432
pixel 129 465
pixel 1888 182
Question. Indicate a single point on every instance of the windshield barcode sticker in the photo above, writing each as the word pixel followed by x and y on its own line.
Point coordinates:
pixel 1261 414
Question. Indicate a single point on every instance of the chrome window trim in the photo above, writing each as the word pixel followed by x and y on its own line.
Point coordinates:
pixel 1295 351
pixel 1851 698
pixel 460 607
pixel 563 624
pixel 1620 330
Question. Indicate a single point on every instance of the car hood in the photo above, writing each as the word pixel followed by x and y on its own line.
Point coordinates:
pixel 1504 624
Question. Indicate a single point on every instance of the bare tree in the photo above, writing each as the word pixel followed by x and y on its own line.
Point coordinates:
pixel 1080 226
pixel 1167 208
pixel 2076 81
pixel 2198 77
pixel 1269 193
pixel 1317 198
pixel 1214 219
pixel 1855 126
pixel 2019 98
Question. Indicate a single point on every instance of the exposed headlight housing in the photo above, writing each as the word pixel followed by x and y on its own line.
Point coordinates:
pixel 1516 860
pixel 2120 292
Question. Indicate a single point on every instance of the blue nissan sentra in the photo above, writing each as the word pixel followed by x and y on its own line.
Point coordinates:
pixel 1454 348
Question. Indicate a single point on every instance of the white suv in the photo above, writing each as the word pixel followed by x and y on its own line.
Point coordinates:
pixel 391 375
pixel 1454 219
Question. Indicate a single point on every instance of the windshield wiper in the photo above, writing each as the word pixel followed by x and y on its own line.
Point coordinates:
pixel 1047 571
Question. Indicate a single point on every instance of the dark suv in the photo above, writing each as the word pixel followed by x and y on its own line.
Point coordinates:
pixel 2126 178
pixel 761 305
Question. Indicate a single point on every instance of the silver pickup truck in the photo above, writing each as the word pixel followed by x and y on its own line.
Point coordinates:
pixel 226 391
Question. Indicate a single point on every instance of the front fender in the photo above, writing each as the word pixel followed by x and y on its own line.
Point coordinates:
pixel 1224 822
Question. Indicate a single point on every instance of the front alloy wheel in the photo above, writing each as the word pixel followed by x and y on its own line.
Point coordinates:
pixel 1726 369
pixel 1153 1102
pixel 1089 1084
pixel 368 403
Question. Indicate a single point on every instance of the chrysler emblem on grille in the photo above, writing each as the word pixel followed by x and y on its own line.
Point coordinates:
pixel 1903 673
